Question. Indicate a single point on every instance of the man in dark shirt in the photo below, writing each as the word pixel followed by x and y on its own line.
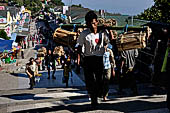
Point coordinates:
pixel 127 65
pixel 50 62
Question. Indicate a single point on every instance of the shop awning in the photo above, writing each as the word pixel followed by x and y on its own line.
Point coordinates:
pixel 5 45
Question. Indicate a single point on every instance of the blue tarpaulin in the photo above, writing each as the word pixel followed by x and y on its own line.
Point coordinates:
pixel 5 45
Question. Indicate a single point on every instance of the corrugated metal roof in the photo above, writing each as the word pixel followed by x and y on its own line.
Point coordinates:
pixel 13 11
pixel 3 13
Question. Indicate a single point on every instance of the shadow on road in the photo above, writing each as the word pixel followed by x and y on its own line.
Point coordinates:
pixel 24 96
pixel 126 107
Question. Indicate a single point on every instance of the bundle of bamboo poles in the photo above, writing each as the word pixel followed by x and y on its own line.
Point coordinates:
pixel 108 22
pixel 63 33
pixel 64 37
pixel 131 40
pixel 42 52
pixel 59 50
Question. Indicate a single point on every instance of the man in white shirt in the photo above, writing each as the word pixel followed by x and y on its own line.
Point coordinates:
pixel 93 41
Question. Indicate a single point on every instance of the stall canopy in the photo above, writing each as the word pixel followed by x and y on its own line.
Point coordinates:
pixel 5 45
pixel 13 36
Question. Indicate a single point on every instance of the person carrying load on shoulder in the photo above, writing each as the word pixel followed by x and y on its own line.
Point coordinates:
pixel 93 40
pixel 127 77
pixel 50 62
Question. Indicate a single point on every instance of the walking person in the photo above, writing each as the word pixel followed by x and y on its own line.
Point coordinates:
pixel 166 69
pixel 24 43
pixel 38 62
pixel 50 62
pixel 30 71
pixel 33 41
pixel 93 39
pixel 28 41
pixel 22 53
pixel 67 71
pixel 109 65
pixel 127 77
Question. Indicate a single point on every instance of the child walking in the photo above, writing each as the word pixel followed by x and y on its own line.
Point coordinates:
pixel 67 71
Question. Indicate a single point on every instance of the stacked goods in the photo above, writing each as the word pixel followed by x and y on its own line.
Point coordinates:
pixel 42 52
pixel 131 40
pixel 65 37
pixel 108 22
pixel 1 55
pixel 58 50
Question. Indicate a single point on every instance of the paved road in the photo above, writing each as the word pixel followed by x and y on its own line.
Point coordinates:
pixel 52 96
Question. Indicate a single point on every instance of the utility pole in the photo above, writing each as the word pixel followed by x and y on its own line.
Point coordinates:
pixel 70 6
pixel 132 20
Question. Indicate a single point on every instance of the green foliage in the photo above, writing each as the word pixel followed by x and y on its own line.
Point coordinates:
pixel 35 5
pixel 159 12
pixel 27 2
pixel 51 5
pixel 4 35
pixel 77 5
pixel 47 7
pixel 58 2
pixel 19 2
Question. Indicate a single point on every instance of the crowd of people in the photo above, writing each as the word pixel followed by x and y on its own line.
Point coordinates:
pixel 48 60
pixel 99 62
pixel 97 48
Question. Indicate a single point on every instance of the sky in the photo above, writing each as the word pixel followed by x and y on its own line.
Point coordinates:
pixel 124 7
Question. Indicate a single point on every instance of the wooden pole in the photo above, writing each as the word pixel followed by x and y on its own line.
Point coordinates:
pixel 134 28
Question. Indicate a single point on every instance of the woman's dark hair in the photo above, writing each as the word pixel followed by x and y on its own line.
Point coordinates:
pixel 90 16
pixel 31 59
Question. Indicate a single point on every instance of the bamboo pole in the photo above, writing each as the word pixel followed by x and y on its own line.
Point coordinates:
pixel 135 28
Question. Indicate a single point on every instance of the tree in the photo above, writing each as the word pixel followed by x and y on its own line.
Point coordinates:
pixel 76 5
pixel 158 12
pixel 4 35
pixel 19 2
pixel 33 5
pixel 58 2
pixel 164 7
pixel 26 2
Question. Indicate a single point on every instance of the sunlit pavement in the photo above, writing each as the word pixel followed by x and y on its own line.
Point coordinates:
pixel 51 95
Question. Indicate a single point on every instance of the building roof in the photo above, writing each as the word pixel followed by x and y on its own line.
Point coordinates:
pixel 23 33
pixel 3 13
pixel 13 11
